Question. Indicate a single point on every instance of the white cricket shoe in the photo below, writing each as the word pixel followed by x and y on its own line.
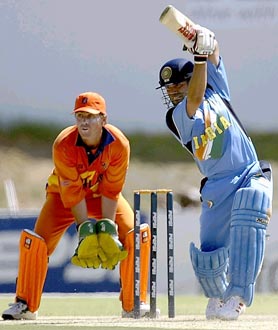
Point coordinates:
pixel 213 307
pixel 144 311
pixel 232 309
pixel 19 311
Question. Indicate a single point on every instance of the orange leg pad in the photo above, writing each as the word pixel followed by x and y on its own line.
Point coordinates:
pixel 32 269
pixel 127 268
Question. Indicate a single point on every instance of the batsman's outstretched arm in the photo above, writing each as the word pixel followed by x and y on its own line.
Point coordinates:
pixel 206 44
pixel 197 86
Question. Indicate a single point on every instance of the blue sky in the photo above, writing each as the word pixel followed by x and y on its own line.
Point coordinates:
pixel 53 50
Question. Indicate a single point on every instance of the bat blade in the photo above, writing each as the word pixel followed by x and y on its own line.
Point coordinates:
pixel 178 23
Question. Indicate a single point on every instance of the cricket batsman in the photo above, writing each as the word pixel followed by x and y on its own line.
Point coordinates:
pixel 236 192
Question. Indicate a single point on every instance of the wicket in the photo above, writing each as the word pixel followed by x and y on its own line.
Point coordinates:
pixel 153 254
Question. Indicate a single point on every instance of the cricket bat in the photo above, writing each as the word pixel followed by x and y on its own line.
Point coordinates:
pixel 178 23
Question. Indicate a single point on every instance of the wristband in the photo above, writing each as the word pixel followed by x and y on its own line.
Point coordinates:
pixel 200 59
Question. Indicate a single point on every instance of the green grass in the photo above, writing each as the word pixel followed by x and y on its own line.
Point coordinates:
pixel 107 306
pixel 36 138
pixel 100 305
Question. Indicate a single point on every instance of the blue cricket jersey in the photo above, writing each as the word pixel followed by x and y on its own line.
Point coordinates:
pixel 219 145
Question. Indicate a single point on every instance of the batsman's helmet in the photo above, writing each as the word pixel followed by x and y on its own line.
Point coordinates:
pixel 175 71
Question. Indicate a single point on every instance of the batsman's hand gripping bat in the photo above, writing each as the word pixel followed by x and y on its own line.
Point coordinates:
pixel 180 24
pixel 198 40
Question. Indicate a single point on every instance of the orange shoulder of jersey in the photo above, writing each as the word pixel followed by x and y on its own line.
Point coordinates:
pixel 121 141
pixel 68 136
pixel 119 152
pixel 65 177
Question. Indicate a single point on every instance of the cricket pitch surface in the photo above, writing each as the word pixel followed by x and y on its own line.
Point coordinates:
pixel 258 322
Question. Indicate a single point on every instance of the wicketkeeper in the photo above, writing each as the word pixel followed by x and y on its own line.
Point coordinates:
pixel 91 160
pixel 236 192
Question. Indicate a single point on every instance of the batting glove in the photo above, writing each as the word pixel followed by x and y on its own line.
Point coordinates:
pixel 205 42
pixel 86 253
pixel 111 250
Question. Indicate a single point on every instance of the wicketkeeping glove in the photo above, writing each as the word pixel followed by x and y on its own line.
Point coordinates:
pixel 111 250
pixel 86 253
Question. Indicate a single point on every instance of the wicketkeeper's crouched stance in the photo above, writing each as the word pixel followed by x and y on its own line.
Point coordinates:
pixel 91 159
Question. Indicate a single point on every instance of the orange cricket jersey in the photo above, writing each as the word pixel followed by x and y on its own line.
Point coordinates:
pixel 80 173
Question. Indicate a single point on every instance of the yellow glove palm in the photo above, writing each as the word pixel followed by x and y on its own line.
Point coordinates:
pixel 111 250
pixel 86 253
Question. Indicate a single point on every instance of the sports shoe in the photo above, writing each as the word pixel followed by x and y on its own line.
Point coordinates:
pixel 144 311
pixel 19 311
pixel 213 307
pixel 232 309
